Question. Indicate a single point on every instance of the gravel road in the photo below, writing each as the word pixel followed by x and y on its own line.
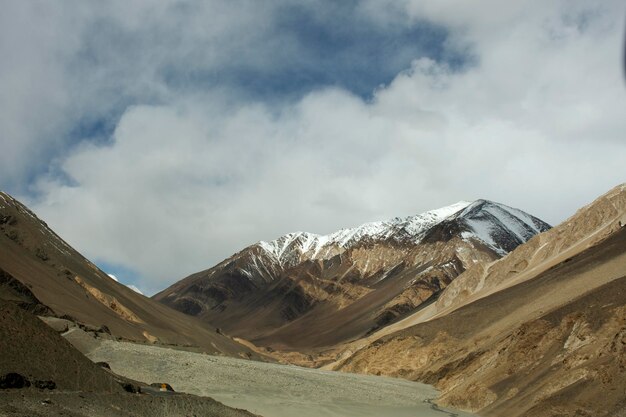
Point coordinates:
pixel 269 389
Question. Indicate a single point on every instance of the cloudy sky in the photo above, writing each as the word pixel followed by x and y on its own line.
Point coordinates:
pixel 158 138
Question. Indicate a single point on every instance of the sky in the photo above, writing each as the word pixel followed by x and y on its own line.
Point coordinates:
pixel 159 138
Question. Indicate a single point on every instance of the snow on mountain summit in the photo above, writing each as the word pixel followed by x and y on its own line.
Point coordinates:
pixel 408 229
pixel 408 259
pixel 498 226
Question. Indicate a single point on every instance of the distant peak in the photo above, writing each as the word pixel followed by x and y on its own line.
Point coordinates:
pixel 410 229
pixel 482 204
pixel 499 226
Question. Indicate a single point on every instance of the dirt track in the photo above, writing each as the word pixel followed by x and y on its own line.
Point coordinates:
pixel 269 389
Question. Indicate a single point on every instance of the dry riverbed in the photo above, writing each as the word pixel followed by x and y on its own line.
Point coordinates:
pixel 272 390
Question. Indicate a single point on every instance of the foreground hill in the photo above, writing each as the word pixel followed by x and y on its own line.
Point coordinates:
pixel 34 350
pixel 41 374
pixel 39 270
pixel 541 332
pixel 304 290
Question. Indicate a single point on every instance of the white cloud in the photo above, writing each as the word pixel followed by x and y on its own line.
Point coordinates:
pixel 535 123
pixel 137 290
pixel 131 286
pixel 32 83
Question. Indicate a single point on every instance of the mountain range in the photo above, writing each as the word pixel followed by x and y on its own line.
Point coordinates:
pixel 306 290
pixel 540 332
pixel 502 313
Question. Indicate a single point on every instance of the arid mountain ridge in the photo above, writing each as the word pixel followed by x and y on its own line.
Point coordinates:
pixel 540 332
pixel 305 290
pixel 39 268
pixel 55 306
pixel 504 315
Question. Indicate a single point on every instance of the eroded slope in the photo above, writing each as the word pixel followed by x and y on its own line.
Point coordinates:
pixel 62 280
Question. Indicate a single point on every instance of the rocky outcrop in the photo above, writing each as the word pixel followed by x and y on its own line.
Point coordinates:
pixel 109 301
pixel 14 291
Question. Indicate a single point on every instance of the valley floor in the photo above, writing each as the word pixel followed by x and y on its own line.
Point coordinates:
pixel 272 390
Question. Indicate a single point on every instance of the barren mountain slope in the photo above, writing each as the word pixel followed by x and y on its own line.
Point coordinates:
pixel 588 226
pixel 37 261
pixel 550 344
pixel 303 291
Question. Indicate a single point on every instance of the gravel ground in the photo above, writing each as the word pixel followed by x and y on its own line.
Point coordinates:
pixel 44 403
pixel 272 390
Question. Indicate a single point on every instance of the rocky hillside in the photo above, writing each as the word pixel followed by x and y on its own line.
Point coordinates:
pixel 541 332
pixel 42 358
pixel 42 273
pixel 42 374
pixel 306 290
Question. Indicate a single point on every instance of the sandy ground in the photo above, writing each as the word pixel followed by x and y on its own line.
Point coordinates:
pixel 272 390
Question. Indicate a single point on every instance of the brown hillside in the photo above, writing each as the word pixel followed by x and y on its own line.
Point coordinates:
pixel 69 284
pixel 551 344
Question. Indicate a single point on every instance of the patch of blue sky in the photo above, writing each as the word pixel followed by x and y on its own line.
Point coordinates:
pixel 124 275
pixel 94 128
pixel 308 46
pixel 306 53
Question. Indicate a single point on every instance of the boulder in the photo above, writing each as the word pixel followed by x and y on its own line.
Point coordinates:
pixel 13 380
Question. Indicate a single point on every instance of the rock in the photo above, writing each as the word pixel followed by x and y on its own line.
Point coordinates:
pixel 13 380
pixel 44 384
pixel 162 386
pixel 105 336
pixel 42 254
pixel 10 220
pixel 90 328
pixel 130 387
pixel 19 293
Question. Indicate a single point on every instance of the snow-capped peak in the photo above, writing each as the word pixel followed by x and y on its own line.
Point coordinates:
pixel 499 226
pixel 410 229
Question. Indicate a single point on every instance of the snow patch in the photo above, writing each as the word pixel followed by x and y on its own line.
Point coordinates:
pixel 512 223
pixel 489 222
pixel 317 246
pixel 482 231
